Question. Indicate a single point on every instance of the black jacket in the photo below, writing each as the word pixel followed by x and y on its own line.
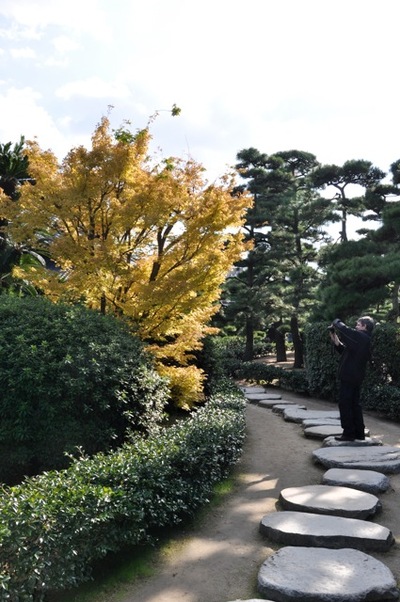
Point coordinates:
pixel 355 352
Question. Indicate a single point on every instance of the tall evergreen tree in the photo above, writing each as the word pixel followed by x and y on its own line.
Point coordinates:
pixel 363 276
pixel 355 172
pixel 284 225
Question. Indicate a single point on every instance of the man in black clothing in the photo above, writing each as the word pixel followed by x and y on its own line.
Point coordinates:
pixel 354 348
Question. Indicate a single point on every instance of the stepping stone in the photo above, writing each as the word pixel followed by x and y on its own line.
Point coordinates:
pixel 368 441
pixel 320 422
pixel 257 397
pixel 314 530
pixel 270 403
pixel 252 389
pixel 365 480
pixel 326 499
pixel 323 431
pixel 324 575
pixel 260 396
pixel 383 458
pixel 279 408
pixel 296 415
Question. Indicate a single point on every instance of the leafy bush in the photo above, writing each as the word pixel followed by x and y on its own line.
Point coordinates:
pixel 386 354
pixel 321 362
pixel 70 378
pixel 267 374
pixel 54 526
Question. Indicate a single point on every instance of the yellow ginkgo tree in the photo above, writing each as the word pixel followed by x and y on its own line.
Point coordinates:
pixel 150 242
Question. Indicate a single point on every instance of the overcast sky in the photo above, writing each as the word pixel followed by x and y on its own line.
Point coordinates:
pixel 313 75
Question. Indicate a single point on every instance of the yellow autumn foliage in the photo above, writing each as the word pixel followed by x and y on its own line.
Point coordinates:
pixel 150 242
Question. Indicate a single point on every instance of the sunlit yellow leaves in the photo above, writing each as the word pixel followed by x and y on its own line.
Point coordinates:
pixel 151 242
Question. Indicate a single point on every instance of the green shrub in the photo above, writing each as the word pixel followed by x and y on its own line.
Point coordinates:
pixel 268 374
pixel 321 362
pixel 70 378
pixel 223 355
pixel 54 526
pixel 386 354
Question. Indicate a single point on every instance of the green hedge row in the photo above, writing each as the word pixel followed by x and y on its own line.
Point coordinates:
pixel 69 378
pixel 292 380
pixel 54 526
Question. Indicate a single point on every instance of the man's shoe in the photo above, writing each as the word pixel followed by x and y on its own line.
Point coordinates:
pixel 360 438
pixel 344 438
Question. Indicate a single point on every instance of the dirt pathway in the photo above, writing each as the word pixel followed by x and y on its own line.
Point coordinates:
pixel 219 561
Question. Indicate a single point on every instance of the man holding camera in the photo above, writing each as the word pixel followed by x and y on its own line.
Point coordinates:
pixel 354 349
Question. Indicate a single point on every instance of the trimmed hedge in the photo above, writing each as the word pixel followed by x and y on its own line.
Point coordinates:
pixel 70 378
pixel 54 526
pixel 292 380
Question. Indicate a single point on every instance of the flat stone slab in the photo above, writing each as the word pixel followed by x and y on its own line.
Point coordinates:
pixel 253 389
pixel 320 422
pixel 325 575
pixel 315 530
pixel 382 458
pixel 270 403
pixel 365 480
pixel 326 499
pixel 279 408
pixel 323 431
pixel 368 441
pixel 260 396
pixel 295 415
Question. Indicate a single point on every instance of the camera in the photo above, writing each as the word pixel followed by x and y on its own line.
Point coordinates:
pixel 331 328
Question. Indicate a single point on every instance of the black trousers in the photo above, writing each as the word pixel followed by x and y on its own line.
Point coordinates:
pixel 351 415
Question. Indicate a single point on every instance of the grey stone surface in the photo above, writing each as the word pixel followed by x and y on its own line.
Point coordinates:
pixel 295 415
pixel 306 529
pixel 259 396
pixel 279 408
pixel 323 431
pixel 326 499
pixel 320 422
pixel 368 441
pixel 325 575
pixel 270 403
pixel 382 458
pixel 253 389
pixel 365 480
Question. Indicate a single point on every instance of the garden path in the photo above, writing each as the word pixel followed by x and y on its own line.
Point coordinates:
pixel 219 560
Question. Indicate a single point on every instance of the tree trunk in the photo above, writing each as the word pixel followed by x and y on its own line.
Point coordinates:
pixel 103 303
pixel 249 349
pixel 278 337
pixel 394 314
pixel 297 343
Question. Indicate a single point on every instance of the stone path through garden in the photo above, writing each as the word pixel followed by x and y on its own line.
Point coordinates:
pixel 310 519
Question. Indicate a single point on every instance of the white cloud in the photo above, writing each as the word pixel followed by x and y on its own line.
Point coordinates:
pixel 93 87
pixel 64 44
pixel 273 75
pixel 26 116
pixel 35 16
pixel 23 53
